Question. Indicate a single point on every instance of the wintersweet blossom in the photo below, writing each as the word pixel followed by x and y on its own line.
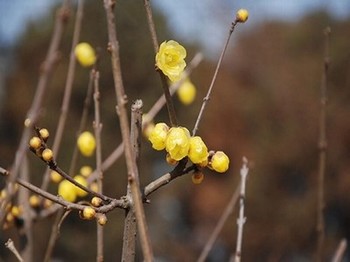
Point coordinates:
pixel 187 92
pixel 178 142
pixel 85 54
pixel 198 152
pixel 220 162
pixel 170 59
pixel 158 136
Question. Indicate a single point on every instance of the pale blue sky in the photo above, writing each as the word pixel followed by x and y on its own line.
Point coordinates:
pixel 202 21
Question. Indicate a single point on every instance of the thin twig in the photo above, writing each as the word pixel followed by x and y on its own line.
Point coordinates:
pixel 207 97
pixel 11 246
pixel 219 226
pixel 322 150
pixel 339 254
pixel 151 25
pixel 241 219
pixel 124 126
pixel 34 111
pixel 98 129
pixel 67 91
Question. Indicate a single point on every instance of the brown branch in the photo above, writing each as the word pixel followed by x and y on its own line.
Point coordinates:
pixel 98 129
pixel 130 229
pixel 207 97
pixel 34 111
pixel 124 126
pixel 151 25
pixel 322 151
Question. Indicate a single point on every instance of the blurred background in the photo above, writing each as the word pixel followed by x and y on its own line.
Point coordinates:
pixel 265 106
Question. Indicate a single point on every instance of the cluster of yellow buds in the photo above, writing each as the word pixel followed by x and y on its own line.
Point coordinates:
pixel 178 143
pixel 37 144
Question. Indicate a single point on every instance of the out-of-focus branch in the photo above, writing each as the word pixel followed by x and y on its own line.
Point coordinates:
pixel 322 147
pixel 219 226
pixel 67 90
pixel 34 111
pixel 339 254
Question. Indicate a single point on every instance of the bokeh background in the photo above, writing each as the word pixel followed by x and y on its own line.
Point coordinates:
pixel 265 106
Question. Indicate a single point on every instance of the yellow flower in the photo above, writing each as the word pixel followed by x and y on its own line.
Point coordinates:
pixel 242 15
pixel 158 136
pixel 198 152
pixel 171 59
pixel 85 54
pixel 86 143
pixel 67 191
pixel 81 180
pixel 220 162
pixel 187 92
pixel 178 142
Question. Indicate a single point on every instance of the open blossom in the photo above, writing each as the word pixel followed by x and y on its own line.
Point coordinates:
pixel 178 142
pixel 220 162
pixel 158 136
pixel 171 59
pixel 198 152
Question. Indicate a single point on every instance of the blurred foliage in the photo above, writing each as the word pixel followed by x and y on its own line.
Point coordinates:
pixel 265 106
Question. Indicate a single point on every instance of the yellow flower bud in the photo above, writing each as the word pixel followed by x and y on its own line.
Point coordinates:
pixel 197 177
pixel 170 161
pixel 158 136
pixel 170 59
pixel 178 142
pixel 44 133
pixel 88 213
pixel 85 54
pixel 186 92
pixel 81 180
pixel 47 154
pixel 16 211
pixel 198 151
pixel 35 142
pixel 47 203
pixel 86 143
pixel 34 201
pixel 242 15
pixel 67 191
pixel 101 219
pixel 55 177
pixel 96 201
pixel 85 171
pixel 220 162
